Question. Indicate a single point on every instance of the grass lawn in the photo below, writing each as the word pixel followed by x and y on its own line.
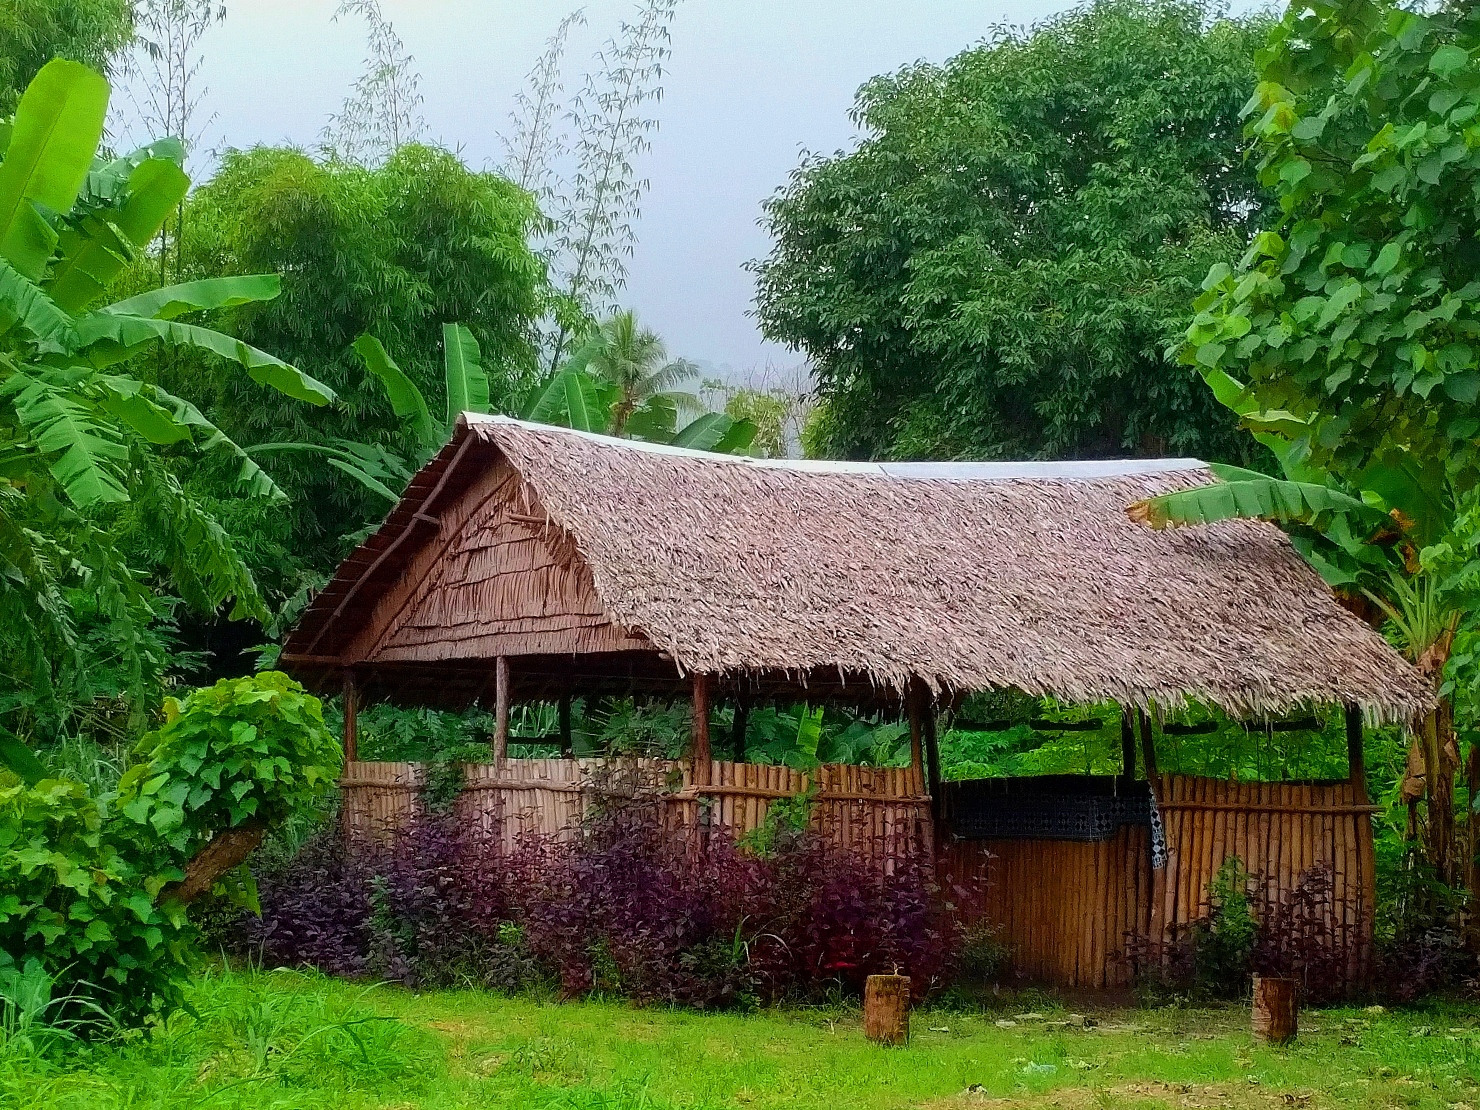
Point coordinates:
pixel 269 1040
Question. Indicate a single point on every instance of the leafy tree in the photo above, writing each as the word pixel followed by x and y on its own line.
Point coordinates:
pixel 620 382
pixel 87 452
pixel 998 266
pixel 394 251
pixel 1353 320
pixel 634 362
pixel 33 32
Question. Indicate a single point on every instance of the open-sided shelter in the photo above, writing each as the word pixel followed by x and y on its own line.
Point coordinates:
pixel 533 563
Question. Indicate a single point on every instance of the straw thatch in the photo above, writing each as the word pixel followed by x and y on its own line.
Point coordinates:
pixel 871 574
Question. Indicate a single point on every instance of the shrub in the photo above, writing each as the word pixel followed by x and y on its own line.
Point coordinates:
pixel 87 881
pixel 630 907
pixel 1250 930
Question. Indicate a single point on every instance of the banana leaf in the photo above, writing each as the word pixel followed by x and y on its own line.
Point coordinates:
pixel 407 402
pixel 83 452
pixel 199 296
pixel 95 250
pixel 58 125
pixel 1248 495
pixel 109 337
pixel 467 384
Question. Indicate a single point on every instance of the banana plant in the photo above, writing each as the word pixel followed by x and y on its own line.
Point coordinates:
pixel 83 441
pixel 1384 536
pixel 379 469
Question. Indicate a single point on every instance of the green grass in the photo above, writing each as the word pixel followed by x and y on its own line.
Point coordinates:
pixel 279 1040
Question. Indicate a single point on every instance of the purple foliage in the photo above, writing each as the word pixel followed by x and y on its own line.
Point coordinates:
pixel 631 907
pixel 316 910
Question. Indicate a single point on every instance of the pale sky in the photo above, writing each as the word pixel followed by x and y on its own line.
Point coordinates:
pixel 752 84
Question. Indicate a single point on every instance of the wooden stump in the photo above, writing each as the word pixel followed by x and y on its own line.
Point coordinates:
pixel 886 1009
pixel 1276 1009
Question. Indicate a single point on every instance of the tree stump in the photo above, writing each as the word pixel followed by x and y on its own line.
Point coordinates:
pixel 886 1009
pixel 1276 1009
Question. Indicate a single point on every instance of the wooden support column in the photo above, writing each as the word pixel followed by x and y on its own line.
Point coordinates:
pixel 351 719
pixel 1127 746
pixel 737 732
pixel 1148 745
pixel 1356 760
pixel 567 741
pixel 501 709
pixel 699 752
pixel 917 731
pixel 932 755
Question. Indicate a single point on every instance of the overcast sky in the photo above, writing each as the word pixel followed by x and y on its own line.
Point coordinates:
pixel 753 84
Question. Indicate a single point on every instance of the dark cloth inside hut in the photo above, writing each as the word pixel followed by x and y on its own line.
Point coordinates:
pixel 1047 807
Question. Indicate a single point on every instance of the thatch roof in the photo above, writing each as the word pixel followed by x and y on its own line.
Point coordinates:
pixel 968 576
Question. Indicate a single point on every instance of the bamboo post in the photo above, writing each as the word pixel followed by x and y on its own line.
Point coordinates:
pixel 886 1009
pixel 1127 746
pixel 351 719
pixel 737 732
pixel 1276 1011
pixel 1356 761
pixel 699 752
pixel 567 742
pixel 501 709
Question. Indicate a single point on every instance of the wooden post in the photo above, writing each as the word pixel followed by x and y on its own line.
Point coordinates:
pixel 699 752
pixel 1356 761
pixel 567 741
pixel 1276 1012
pixel 1148 745
pixel 351 719
pixel 886 1009
pixel 1127 745
pixel 737 732
pixel 501 709
pixel 917 732
pixel 932 757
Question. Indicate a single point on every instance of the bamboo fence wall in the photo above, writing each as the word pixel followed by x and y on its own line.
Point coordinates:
pixel 1061 907
pixel 1064 908
pixel 882 813
pixel 1280 831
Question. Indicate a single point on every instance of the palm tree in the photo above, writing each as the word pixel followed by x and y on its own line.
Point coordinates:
pixel 634 361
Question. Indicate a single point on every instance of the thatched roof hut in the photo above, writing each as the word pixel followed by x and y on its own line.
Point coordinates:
pixel 590 564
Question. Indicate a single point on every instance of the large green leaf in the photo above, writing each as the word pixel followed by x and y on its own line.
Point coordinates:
pixel 20 759
pixel 24 305
pixel 1418 493
pixel 1250 496
pixel 130 400
pixel 199 296
pixel 714 431
pixel 373 467
pixel 95 250
pixel 407 402
pixel 467 384
pixel 83 452
pixel 58 125
pixel 575 399
pixel 109 337
pixel 107 183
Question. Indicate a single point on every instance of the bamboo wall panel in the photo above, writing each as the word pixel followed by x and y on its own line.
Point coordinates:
pixel 1280 831
pixel 1063 908
pixel 881 813
pixel 379 798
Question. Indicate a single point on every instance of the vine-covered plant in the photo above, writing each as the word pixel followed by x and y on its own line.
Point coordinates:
pixel 95 887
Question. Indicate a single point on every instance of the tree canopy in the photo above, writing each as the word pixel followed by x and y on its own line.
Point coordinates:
pixel 33 32
pixel 395 251
pixel 998 267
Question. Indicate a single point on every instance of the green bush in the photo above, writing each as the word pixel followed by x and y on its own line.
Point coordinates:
pixel 86 878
